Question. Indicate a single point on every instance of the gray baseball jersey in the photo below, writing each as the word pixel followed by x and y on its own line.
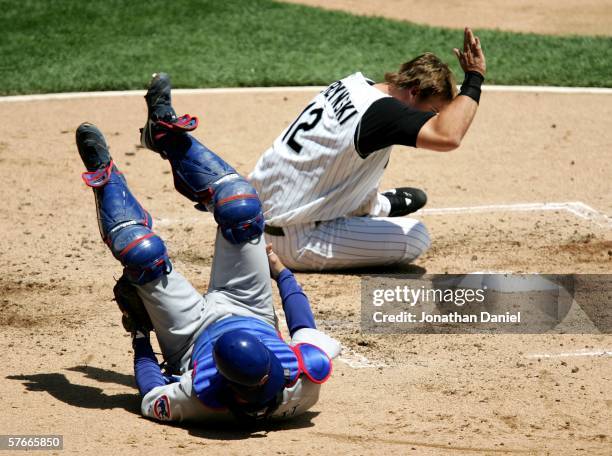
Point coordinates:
pixel 240 285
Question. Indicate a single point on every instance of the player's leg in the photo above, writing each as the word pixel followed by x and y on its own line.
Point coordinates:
pixel 240 273
pixel 200 174
pixel 173 305
pixel 289 246
pixel 395 202
pixel 124 225
pixel 355 242
pixel 404 200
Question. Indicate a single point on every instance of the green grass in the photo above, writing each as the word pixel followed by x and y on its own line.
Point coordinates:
pixel 74 45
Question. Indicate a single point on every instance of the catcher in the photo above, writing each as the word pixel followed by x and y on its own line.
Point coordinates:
pixel 223 353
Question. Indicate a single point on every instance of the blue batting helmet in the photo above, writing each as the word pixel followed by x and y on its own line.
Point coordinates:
pixel 252 370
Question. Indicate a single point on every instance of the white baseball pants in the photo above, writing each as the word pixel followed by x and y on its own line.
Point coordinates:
pixel 351 242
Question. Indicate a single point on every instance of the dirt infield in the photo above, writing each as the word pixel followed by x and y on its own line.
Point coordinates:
pixel 68 367
pixel 556 17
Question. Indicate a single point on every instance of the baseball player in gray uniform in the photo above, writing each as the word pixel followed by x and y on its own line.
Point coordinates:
pixel 319 180
pixel 222 351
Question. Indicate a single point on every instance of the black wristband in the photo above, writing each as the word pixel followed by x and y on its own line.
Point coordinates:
pixel 471 85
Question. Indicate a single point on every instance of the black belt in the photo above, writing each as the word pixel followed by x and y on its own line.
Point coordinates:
pixel 274 230
pixel 278 231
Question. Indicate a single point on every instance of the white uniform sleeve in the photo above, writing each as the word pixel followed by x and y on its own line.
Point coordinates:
pixel 298 398
pixel 176 402
pixel 315 337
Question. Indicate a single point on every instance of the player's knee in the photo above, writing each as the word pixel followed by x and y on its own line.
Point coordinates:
pixel 238 210
pixel 142 253
pixel 417 241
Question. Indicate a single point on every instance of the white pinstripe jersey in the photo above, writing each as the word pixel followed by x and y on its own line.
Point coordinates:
pixel 313 171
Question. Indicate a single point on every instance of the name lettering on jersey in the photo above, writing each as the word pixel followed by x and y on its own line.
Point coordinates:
pixel 338 96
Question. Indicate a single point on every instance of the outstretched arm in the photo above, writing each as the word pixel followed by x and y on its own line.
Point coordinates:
pixel 298 314
pixel 445 131
pixel 295 303
pixel 146 369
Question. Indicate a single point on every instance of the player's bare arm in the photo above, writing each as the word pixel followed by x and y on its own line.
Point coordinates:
pixel 445 131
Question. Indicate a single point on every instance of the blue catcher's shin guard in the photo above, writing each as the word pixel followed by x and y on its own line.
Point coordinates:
pixel 205 178
pixel 126 227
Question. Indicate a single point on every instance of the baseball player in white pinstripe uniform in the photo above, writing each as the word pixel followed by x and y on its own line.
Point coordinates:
pixel 319 180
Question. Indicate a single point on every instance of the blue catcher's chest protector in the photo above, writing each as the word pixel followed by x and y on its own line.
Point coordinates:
pixel 302 359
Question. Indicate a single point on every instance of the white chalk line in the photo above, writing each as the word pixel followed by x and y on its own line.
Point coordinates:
pixel 356 360
pixel 598 353
pixel 348 356
pixel 575 208
pixel 288 89
pixel 549 89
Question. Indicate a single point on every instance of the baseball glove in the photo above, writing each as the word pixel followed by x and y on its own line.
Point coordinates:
pixel 135 316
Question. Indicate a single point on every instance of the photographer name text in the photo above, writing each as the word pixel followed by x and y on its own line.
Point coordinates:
pixel 452 317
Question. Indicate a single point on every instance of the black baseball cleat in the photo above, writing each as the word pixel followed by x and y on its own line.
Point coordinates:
pixel 405 200
pixel 161 117
pixel 159 107
pixel 92 147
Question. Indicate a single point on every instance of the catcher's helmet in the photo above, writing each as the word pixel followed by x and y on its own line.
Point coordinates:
pixel 253 371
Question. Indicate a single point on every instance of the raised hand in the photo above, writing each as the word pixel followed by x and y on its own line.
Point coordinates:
pixel 471 58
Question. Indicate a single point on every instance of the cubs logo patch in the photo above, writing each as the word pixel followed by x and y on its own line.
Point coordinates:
pixel 161 408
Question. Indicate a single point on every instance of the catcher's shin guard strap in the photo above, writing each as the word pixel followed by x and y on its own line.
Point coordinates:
pixel 183 124
pixel 99 177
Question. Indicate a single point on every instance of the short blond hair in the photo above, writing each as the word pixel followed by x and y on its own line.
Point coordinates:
pixel 427 72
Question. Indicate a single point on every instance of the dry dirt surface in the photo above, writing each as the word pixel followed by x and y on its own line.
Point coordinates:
pixel 68 363
pixel 555 17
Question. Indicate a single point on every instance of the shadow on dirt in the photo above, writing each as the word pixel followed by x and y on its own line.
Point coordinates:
pixel 232 430
pixel 105 375
pixel 412 269
pixel 58 386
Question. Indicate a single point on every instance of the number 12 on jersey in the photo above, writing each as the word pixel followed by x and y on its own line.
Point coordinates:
pixel 307 120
